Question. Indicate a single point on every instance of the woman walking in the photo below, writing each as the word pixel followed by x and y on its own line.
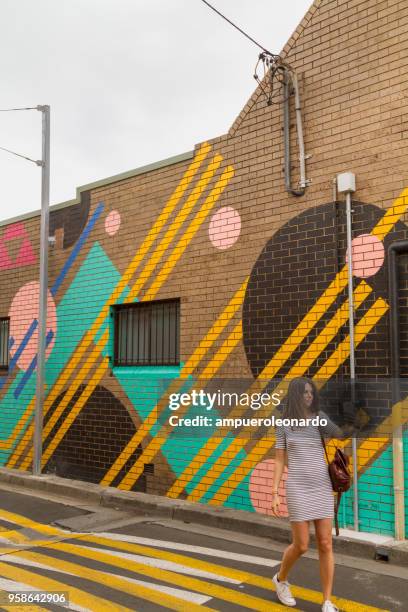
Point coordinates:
pixel 309 492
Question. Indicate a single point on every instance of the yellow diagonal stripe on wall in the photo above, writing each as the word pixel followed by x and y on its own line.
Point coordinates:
pixel 299 368
pixel 174 227
pixel 129 272
pixel 176 254
pixel 84 344
pixel 192 363
pixel 192 229
pixel 363 327
pixel 382 228
pixel 147 243
pixel 157 442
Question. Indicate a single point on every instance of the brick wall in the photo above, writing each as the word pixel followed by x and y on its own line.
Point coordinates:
pixel 249 263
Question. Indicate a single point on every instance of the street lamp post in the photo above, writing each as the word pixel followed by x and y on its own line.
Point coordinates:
pixel 42 317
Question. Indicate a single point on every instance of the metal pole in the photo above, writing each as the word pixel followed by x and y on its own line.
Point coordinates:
pixel 352 352
pixel 42 318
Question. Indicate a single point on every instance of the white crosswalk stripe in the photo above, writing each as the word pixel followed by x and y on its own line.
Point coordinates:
pixel 201 550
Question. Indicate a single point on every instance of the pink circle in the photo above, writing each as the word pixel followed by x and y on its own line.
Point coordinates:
pixel 112 222
pixel 23 310
pixel 260 488
pixel 368 255
pixel 225 227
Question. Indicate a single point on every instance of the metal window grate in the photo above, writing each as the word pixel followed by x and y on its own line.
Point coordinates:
pixel 4 343
pixel 147 333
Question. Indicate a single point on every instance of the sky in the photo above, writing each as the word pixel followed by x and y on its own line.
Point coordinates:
pixel 129 82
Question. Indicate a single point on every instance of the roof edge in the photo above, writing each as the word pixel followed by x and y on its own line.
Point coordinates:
pixel 168 161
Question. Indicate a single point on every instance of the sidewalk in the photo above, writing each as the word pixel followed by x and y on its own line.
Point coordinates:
pixel 364 545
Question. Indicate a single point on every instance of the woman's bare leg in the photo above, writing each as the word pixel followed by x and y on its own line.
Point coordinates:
pixel 300 543
pixel 323 530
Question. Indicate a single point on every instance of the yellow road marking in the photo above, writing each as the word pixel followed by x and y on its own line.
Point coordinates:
pixel 227 572
pixel 76 596
pixel 363 327
pixel 157 441
pixel 186 582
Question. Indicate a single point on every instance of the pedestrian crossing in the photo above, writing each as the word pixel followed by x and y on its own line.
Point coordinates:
pixel 117 571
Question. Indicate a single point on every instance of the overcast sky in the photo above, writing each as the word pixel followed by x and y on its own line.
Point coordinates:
pixel 129 82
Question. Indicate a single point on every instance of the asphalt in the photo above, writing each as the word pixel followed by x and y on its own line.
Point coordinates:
pixel 118 560
pixel 365 546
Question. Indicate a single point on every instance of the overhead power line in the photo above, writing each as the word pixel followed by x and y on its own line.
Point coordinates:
pixel 8 110
pixel 236 27
pixel 35 161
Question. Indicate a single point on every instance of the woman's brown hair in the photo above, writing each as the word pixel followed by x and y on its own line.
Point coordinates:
pixel 294 406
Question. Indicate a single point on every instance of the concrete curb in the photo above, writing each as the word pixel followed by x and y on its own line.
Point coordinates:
pixel 181 510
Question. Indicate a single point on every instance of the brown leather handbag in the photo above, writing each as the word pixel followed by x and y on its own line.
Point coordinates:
pixel 340 476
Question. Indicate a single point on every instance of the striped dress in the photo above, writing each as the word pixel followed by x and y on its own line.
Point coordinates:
pixel 309 493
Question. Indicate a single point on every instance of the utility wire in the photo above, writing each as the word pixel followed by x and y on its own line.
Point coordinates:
pixel 236 27
pixel 8 110
pixel 35 161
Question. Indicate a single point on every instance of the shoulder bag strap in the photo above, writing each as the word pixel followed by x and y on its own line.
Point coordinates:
pixel 324 445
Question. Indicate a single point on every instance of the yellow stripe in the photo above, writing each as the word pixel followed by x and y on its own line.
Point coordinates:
pixel 90 334
pixel 156 443
pixel 362 328
pixel 67 396
pixel 227 572
pixel 301 366
pixel 174 227
pixel 290 345
pixel 216 329
pixel 114 582
pixel 160 279
pixel 329 332
pixel 76 596
pixel 94 380
pixel 185 582
pixel 190 232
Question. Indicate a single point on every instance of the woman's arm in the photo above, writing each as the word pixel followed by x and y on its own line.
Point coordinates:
pixel 279 467
pixel 331 430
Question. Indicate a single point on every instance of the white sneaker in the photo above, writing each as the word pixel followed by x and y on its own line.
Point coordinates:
pixel 328 606
pixel 283 592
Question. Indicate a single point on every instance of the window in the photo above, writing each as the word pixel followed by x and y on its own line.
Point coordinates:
pixel 147 333
pixel 4 343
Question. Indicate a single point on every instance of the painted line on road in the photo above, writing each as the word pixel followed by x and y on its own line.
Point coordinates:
pixel 76 596
pixel 201 550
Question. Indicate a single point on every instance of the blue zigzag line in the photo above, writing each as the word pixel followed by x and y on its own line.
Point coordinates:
pixel 60 278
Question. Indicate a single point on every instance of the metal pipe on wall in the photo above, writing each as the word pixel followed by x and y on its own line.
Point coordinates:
pixel 352 351
pixel 290 81
pixel 397 430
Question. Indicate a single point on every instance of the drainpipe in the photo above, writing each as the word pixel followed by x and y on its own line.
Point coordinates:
pixel 291 85
pixel 346 183
pixel 397 439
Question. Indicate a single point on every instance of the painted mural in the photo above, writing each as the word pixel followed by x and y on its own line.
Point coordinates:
pixel 113 417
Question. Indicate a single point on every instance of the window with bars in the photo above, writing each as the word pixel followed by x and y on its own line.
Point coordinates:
pixel 4 343
pixel 147 333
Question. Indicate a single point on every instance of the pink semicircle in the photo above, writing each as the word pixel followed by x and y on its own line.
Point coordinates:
pixel 260 488
pixel 23 310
